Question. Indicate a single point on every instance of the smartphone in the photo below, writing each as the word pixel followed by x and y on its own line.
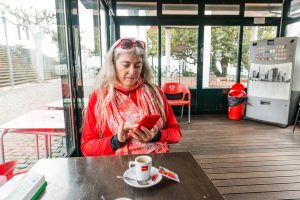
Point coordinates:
pixel 148 121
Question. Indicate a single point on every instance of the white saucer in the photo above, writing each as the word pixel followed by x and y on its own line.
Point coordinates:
pixel 128 173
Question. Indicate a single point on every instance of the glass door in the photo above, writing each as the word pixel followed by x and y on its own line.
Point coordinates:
pixel 179 55
pixel 36 93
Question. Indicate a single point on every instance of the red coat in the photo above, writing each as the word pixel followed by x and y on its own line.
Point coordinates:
pixel 93 145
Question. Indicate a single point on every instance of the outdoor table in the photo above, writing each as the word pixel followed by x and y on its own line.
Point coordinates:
pixel 38 122
pixel 95 178
pixel 58 105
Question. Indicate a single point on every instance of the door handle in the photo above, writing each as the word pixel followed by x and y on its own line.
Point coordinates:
pixel 262 102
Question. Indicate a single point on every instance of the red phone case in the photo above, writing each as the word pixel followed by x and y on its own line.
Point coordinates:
pixel 148 121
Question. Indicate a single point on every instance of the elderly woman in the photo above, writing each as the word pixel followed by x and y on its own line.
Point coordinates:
pixel 125 94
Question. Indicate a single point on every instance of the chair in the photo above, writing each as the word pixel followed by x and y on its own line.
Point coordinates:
pixel 176 93
pixel 297 116
pixel 7 171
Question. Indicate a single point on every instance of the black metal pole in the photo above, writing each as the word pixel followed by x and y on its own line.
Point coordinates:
pixel 284 16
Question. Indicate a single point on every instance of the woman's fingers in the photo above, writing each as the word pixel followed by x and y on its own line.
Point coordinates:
pixel 154 129
pixel 128 129
pixel 145 135
pixel 121 133
pixel 130 125
pixel 137 136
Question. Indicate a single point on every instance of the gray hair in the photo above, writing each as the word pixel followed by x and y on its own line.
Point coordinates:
pixel 108 74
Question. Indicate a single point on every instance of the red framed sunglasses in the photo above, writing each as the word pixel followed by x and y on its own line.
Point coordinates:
pixel 128 44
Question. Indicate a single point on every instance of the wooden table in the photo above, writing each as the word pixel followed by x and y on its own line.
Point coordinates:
pixel 95 178
pixel 38 122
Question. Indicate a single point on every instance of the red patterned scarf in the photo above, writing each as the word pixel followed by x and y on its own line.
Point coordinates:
pixel 123 109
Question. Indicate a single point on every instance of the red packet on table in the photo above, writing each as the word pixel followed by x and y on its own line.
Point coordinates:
pixel 168 173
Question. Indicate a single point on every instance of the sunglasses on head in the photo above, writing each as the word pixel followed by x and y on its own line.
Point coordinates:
pixel 128 44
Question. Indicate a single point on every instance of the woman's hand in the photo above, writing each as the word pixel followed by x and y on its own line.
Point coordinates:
pixel 124 129
pixel 145 135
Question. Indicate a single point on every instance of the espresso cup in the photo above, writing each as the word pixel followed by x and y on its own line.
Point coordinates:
pixel 142 167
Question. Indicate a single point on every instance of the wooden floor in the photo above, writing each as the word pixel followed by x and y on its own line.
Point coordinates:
pixel 245 159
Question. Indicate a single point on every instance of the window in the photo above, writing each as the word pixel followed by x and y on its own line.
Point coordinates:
pixel 295 9
pixel 136 9
pixel 220 56
pixel 293 30
pixel 103 32
pixel 89 21
pixel 263 10
pixel 252 33
pixel 148 34
pixel 35 76
pixel 179 9
pixel 211 9
pixel 179 55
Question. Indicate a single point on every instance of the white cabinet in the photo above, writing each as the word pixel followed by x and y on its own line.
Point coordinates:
pixel 274 80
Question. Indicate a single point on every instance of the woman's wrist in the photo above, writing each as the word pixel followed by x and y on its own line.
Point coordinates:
pixel 115 143
pixel 157 137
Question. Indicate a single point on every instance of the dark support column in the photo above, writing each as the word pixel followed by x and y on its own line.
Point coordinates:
pixel 284 16
pixel 159 13
pixel 200 57
pixel 240 48
pixel 240 52
pixel 159 55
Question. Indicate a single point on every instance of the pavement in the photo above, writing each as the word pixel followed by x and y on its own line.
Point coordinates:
pixel 21 99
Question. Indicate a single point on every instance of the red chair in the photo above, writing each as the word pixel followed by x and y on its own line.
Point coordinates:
pixel 176 93
pixel 7 171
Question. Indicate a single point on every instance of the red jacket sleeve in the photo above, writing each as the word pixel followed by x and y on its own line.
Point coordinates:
pixel 171 133
pixel 91 143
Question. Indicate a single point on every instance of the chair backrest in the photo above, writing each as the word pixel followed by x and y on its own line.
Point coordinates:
pixel 173 88
pixel 7 168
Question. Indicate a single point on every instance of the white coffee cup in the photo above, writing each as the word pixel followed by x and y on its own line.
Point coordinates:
pixel 142 167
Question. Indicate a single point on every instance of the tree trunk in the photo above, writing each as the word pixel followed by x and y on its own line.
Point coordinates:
pixel 37 53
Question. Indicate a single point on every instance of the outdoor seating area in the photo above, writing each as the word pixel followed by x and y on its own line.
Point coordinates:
pixel 132 99
pixel 45 123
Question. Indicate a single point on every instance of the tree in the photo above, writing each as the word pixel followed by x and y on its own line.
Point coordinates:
pixel 224 45
pixel 37 23
pixel 264 32
pixel 152 43
pixel 184 44
pixel 224 40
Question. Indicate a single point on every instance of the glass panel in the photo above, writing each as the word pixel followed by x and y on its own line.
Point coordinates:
pixel 263 10
pixel 179 55
pixel 112 28
pixel 211 9
pixel 180 9
pixel 34 86
pixel 148 34
pixel 136 9
pixel 252 33
pixel 90 43
pixel 103 32
pixel 220 56
pixel 295 9
pixel 293 29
